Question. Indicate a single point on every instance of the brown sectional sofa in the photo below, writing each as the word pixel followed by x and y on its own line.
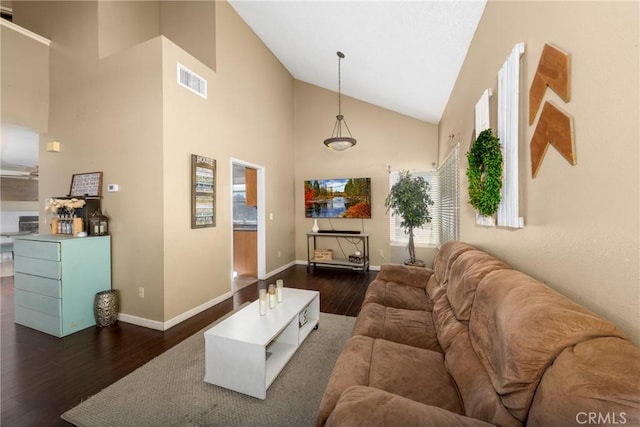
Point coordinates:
pixel 473 342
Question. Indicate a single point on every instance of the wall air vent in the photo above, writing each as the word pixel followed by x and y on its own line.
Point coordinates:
pixel 192 81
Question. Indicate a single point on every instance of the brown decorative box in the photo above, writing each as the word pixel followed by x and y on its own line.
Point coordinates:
pixel 323 255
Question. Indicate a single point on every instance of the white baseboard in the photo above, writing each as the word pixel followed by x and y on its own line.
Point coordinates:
pixel 163 326
pixel 280 269
pixel 141 321
pixel 196 310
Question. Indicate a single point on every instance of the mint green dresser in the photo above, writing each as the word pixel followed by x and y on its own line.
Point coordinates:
pixel 56 279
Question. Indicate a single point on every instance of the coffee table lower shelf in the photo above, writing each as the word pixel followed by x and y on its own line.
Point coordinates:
pixel 278 354
pixel 246 352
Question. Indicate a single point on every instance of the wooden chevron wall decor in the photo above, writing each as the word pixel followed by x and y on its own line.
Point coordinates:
pixel 552 72
pixel 555 127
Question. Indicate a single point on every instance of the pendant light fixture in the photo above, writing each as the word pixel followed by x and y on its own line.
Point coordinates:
pixel 338 141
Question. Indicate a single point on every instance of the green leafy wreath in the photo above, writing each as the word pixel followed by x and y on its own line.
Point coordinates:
pixel 485 173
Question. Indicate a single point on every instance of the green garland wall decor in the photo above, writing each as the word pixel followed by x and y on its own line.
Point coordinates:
pixel 485 173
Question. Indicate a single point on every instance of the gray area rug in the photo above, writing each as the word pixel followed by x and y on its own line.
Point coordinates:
pixel 170 391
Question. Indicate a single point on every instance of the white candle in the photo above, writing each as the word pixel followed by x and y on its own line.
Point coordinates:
pixel 263 302
pixel 280 289
pixel 272 296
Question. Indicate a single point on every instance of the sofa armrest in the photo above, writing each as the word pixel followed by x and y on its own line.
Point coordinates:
pixel 405 275
pixel 371 407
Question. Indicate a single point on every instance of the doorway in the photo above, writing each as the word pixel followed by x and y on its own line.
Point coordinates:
pixel 248 234
pixel 19 173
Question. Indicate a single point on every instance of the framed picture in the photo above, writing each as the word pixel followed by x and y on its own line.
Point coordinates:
pixel 86 185
pixel 203 192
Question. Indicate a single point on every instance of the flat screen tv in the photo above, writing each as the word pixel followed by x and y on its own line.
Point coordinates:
pixel 337 198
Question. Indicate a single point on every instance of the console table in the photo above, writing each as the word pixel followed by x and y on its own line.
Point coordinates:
pixel 362 264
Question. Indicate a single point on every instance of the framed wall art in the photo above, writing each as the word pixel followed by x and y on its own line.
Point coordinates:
pixel 86 185
pixel 203 191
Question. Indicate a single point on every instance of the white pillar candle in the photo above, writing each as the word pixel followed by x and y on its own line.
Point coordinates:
pixel 280 289
pixel 272 296
pixel 263 302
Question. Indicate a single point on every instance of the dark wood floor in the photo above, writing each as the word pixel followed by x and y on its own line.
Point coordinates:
pixel 44 376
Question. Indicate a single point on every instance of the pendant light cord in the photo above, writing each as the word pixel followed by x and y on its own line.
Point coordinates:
pixel 340 56
pixel 339 86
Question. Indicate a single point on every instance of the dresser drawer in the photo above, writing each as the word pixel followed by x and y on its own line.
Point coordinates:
pixel 37 249
pixel 37 302
pixel 37 267
pixel 37 320
pixel 39 285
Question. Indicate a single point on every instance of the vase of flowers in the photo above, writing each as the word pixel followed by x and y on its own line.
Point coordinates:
pixel 65 206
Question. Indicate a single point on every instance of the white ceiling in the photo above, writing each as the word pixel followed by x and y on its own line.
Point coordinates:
pixel 19 150
pixel 404 56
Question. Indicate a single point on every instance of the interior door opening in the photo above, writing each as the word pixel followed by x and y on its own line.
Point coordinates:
pixel 248 223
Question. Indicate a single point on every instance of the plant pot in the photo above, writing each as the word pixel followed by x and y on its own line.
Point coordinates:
pixel 416 263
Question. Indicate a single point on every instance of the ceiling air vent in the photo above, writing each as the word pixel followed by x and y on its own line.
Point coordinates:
pixel 192 81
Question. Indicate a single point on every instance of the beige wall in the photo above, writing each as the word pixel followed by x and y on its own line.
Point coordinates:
pixel 123 24
pixel 124 114
pixel 245 118
pixel 107 115
pixel 127 147
pixel 192 28
pixel 255 122
pixel 384 139
pixel 25 77
pixel 189 24
pixel 195 261
pixel 581 233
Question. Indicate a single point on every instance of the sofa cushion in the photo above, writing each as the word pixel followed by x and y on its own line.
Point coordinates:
pixel 447 254
pixel 465 274
pixel 351 368
pixel 411 327
pixel 415 373
pixel 393 294
pixel 405 274
pixel 519 326
pixel 361 406
pixel 445 322
pixel 478 395
pixel 596 380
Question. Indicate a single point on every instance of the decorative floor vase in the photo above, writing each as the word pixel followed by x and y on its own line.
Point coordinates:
pixel 105 308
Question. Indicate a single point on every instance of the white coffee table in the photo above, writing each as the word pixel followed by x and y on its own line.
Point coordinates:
pixel 246 351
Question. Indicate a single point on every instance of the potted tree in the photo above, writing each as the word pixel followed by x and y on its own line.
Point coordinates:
pixel 409 199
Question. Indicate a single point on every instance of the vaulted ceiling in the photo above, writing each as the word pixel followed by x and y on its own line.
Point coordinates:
pixel 401 55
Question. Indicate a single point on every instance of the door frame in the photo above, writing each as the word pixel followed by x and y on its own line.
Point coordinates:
pixel 261 214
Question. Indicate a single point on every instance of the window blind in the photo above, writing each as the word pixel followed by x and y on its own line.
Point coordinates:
pixel 449 181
